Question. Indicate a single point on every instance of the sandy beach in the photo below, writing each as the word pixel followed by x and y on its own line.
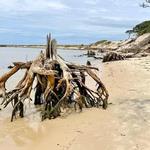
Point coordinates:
pixel 74 75
pixel 125 125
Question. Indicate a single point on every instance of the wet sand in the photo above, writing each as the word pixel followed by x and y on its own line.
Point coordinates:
pixel 125 125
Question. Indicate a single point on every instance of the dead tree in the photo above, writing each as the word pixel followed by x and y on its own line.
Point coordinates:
pixel 59 84
pixel 112 56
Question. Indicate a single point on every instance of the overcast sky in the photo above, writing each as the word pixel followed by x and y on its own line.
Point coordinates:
pixel 69 21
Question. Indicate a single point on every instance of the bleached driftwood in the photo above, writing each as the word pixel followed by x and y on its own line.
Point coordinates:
pixel 59 84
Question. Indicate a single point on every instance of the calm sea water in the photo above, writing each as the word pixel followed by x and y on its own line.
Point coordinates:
pixel 9 55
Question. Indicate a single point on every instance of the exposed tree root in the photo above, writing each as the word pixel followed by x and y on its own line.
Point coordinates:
pixel 60 85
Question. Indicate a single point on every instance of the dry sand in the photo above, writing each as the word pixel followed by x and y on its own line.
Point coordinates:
pixel 125 125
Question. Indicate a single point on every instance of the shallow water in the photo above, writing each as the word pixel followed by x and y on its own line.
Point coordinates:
pixel 25 131
pixel 125 125
pixel 9 55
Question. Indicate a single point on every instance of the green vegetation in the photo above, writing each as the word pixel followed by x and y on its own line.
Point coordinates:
pixel 102 42
pixel 140 29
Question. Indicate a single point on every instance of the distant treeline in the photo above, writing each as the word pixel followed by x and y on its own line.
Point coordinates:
pixel 43 46
pixel 140 29
pixel 7 45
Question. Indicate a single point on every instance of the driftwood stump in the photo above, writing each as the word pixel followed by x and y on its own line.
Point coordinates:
pixel 60 84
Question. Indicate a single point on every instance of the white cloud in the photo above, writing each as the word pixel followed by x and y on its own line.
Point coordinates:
pixel 96 12
pixel 69 19
pixel 8 30
pixel 30 5
pixel 44 5
pixel 91 2
pixel 118 18
pixel 129 3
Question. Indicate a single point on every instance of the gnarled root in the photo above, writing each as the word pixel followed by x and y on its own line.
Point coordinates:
pixel 60 85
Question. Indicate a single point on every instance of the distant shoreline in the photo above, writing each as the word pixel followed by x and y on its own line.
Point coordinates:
pixel 24 46
pixel 75 47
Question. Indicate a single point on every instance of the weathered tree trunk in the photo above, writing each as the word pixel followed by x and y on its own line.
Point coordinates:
pixel 112 56
pixel 59 85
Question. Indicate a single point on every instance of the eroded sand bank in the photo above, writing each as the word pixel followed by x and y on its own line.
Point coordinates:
pixel 125 125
